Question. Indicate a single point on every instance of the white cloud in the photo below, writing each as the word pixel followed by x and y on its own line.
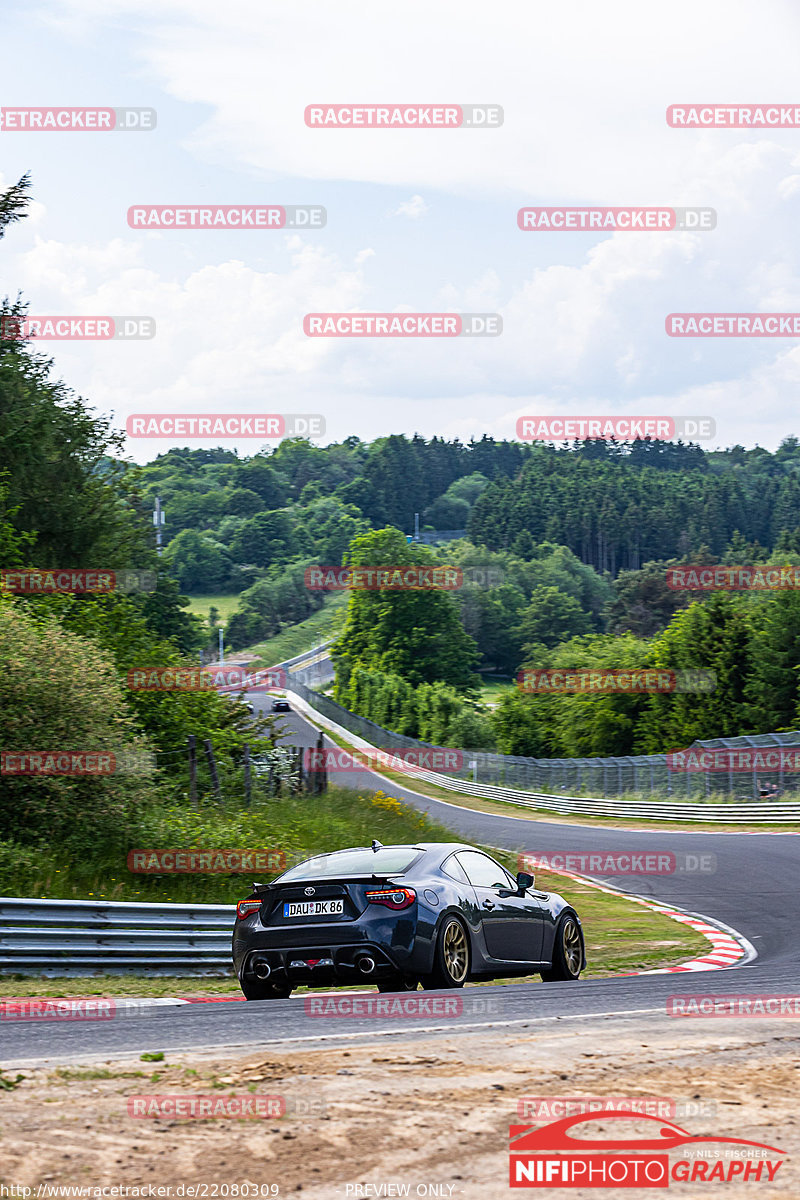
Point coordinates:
pixel 413 208
pixel 584 86
pixel 584 91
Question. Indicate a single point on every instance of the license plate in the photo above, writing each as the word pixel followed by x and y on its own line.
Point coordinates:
pixel 313 908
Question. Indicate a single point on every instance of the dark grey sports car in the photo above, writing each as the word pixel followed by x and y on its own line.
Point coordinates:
pixel 438 913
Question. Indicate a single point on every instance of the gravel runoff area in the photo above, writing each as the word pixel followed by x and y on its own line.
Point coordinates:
pixel 427 1114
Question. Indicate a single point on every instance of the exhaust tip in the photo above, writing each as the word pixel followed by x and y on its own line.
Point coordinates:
pixel 366 965
pixel 261 969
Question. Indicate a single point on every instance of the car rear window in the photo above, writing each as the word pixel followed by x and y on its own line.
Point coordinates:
pixel 392 860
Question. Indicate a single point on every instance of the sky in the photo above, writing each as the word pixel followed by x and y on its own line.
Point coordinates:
pixel 418 220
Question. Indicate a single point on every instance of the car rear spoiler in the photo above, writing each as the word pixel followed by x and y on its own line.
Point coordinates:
pixel 263 889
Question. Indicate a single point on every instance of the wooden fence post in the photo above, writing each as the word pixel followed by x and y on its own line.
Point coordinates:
pixel 212 766
pixel 321 778
pixel 247 791
pixel 193 769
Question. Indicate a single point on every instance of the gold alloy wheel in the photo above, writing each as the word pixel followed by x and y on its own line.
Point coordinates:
pixel 455 950
pixel 571 943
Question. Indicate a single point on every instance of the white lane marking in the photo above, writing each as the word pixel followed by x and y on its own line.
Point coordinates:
pixel 124 1055
pixel 322 1037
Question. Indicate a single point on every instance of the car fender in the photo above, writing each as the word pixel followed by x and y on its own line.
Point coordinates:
pixel 476 953
pixel 554 908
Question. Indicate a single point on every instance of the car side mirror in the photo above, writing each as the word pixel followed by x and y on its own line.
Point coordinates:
pixel 524 881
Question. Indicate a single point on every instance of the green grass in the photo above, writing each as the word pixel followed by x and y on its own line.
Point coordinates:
pixel 296 825
pixel 294 640
pixel 227 605
pixel 620 936
pixel 494 688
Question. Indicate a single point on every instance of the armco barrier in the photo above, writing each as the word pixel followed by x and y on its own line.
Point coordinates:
pixel 87 937
pixel 735 814
pixel 550 778
pixel 764 812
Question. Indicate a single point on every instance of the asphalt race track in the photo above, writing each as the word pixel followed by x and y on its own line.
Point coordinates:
pixel 754 888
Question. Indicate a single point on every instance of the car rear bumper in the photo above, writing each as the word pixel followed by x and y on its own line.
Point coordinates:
pixel 344 963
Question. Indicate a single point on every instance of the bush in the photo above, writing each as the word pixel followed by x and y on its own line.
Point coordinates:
pixel 59 692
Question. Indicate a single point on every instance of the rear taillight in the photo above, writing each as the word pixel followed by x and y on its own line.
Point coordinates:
pixel 393 897
pixel 245 907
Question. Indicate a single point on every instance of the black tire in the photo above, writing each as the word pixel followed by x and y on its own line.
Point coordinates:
pixel 403 983
pixel 567 951
pixel 264 989
pixel 451 958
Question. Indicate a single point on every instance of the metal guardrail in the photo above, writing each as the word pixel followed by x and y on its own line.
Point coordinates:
pixel 735 812
pixel 606 777
pixel 87 937
pixel 765 812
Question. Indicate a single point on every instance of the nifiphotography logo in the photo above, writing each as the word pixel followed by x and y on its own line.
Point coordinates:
pixel 562 1154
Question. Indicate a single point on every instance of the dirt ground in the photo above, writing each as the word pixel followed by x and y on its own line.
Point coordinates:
pixel 425 1116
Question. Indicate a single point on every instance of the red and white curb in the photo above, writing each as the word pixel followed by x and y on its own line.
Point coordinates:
pixel 107 1008
pixel 728 947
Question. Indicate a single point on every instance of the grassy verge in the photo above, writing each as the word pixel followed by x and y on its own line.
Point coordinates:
pixel 227 604
pixel 620 936
pixel 494 688
pixel 296 639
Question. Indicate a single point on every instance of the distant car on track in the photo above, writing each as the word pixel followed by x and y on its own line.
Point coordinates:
pixel 281 706
pixel 437 913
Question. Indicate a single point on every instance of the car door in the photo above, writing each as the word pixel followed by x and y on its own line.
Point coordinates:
pixel 513 925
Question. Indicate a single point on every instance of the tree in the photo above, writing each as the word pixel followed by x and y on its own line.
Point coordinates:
pixel 14 203
pixel 550 617
pixel 59 692
pixel 269 537
pixel 644 602
pixel 774 686
pixel 415 634
pixel 447 512
pixel 259 476
pixel 243 502
pixel 717 636
pixel 198 564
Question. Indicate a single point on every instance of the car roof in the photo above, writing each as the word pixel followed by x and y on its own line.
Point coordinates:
pixel 441 848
